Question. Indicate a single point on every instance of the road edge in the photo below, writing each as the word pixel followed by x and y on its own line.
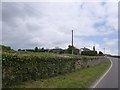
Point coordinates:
pixel 99 80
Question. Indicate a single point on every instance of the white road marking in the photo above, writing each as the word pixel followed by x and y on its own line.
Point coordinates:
pixel 103 75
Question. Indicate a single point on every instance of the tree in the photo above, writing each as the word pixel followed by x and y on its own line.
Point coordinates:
pixel 89 53
pixel 6 48
pixel 42 50
pixel 100 53
pixel 75 50
pixel 19 49
pixel 69 50
pixel 36 49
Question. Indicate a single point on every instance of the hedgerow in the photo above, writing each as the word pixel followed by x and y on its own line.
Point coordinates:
pixel 18 67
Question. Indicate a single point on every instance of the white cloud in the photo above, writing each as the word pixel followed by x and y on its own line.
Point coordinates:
pixel 111 45
pixel 111 42
pixel 49 24
pixel 59 0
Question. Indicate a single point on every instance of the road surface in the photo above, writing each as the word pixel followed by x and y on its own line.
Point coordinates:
pixel 110 78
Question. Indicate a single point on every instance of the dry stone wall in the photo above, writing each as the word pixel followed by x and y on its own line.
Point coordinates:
pixel 89 62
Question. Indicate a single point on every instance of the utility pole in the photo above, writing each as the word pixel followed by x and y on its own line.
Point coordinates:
pixel 104 50
pixel 72 41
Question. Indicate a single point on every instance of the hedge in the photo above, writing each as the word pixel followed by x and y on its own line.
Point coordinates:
pixel 89 53
pixel 16 69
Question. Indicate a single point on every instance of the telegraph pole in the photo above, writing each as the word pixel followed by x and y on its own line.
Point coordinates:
pixel 72 41
pixel 104 51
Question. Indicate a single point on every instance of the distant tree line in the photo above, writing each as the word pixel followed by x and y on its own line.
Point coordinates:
pixel 92 53
pixel 5 48
pixel 58 50
pixel 55 50
pixel 36 49
pixel 66 51
pixel 89 53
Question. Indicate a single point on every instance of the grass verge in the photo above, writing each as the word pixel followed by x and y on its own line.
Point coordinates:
pixel 79 79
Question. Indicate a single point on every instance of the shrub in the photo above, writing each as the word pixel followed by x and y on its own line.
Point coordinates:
pixel 89 53
pixel 23 66
pixel 101 53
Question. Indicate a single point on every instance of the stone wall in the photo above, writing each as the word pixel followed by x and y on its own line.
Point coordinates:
pixel 89 62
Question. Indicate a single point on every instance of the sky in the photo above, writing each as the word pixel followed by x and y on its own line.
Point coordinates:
pixel 49 24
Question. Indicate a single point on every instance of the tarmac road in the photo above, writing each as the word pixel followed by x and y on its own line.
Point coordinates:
pixel 110 78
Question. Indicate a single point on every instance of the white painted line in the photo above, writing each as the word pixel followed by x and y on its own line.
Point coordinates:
pixel 103 75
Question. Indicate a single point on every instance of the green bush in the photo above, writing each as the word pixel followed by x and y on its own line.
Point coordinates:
pixel 6 48
pixel 101 53
pixel 17 67
pixel 89 53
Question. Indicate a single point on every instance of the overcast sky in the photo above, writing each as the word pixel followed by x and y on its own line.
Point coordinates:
pixel 49 25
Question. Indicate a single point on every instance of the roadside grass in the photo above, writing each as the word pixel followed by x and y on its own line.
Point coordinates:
pixel 79 79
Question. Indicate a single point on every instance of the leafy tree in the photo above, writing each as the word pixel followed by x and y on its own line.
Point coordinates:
pixel 6 48
pixel 30 50
pixel 100 53
pixel 89 53
pixel 19 49
pixel 36 49
pixel 42 49
pixel 69 50
pixel 75 50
